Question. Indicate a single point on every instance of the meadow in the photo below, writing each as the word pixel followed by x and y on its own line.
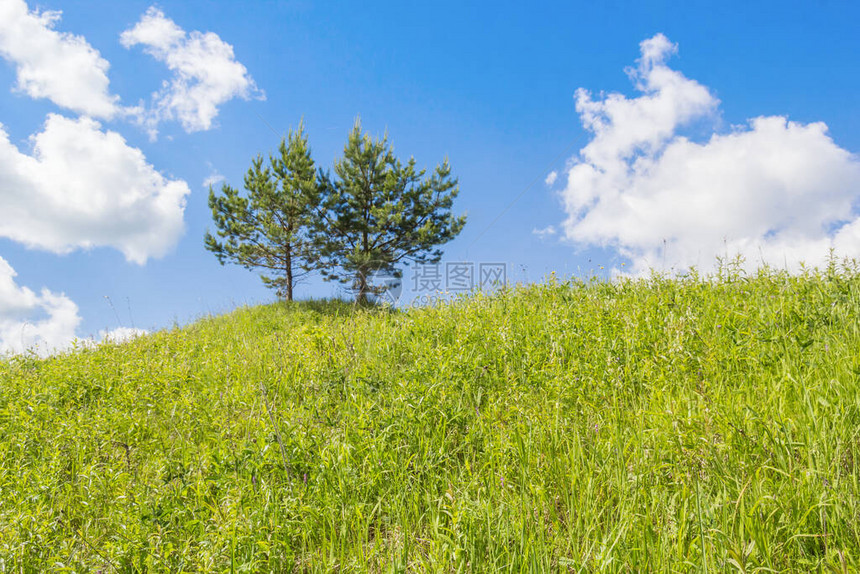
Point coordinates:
pixel 693 424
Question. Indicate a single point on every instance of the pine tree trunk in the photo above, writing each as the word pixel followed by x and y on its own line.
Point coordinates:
pixel 362 274
pixel 289 270
pixel 361 296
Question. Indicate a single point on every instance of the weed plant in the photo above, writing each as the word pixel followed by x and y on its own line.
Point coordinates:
pixel 695 424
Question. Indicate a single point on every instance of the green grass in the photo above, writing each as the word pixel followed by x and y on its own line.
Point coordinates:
pixel 686 425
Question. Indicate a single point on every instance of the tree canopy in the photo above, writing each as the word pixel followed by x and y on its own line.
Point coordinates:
pixel 270 226
pixel 378 212
pixel 372 215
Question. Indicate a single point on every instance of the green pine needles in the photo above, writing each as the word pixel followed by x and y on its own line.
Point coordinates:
pixel 272 227
pixel 380 212
pixel 374 214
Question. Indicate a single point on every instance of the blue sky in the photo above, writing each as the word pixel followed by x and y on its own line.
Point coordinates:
pixel 660 164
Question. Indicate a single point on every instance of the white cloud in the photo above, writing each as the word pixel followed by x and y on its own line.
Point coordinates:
pixel 82 188
pixel 772 190
pixel 122 334
pixel 547 231
pixel 58 66
pixel 44 322
pixel 212 179
pixel 205 71
pixel 551 177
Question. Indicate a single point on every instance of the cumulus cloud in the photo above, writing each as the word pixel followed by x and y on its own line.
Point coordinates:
pixel 122 334
pixel 772 190
pixel 83 187
pixel 43 323
pixel 46 322
pixel 59 66
pixel 206 73
pixel 551 177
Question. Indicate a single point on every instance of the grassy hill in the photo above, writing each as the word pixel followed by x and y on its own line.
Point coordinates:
pixel 654 425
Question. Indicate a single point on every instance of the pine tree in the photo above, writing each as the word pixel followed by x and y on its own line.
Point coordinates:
pixel 269 227
pixel 378 212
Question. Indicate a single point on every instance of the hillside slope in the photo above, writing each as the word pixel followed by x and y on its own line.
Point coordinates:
pixel 653 425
